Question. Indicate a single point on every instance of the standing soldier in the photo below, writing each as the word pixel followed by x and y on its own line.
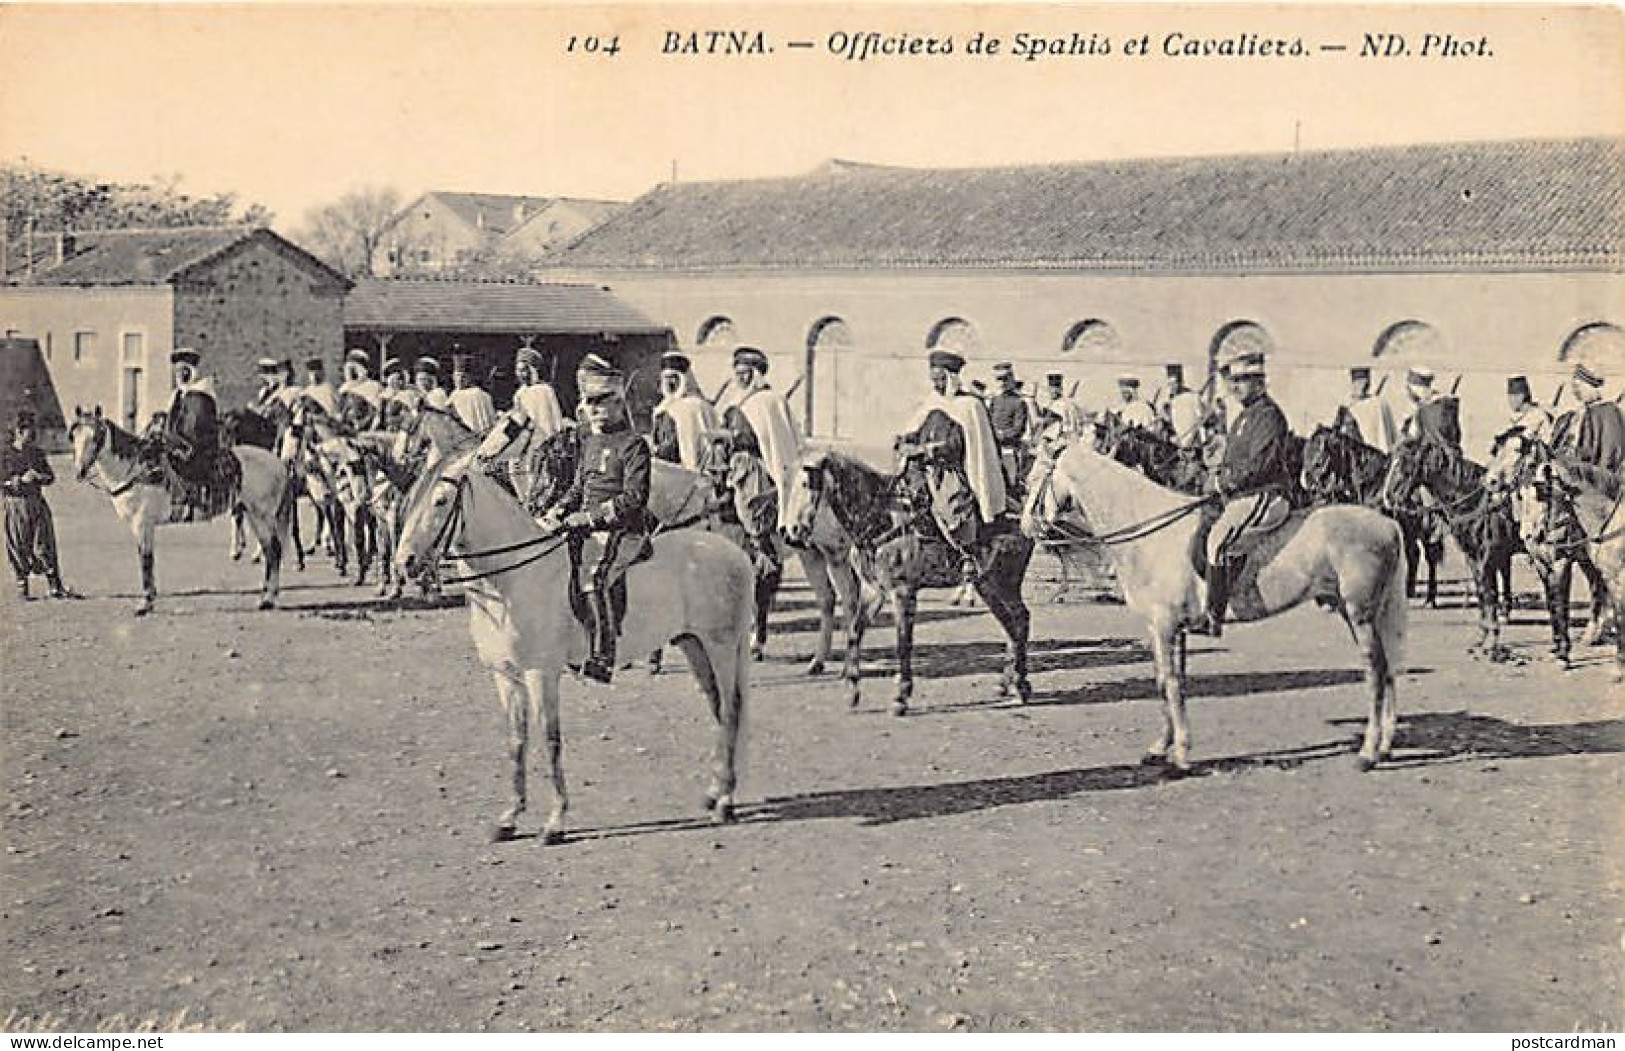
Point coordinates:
pixel 608 502
pixel 683 416
pixel 469 401
pixel 1253 479
pixel 1133 411
pixel 1363 415
pixel 1595 432
pixel 1527 415
pixel 1182 409
pixel 426 377
pixel 30 533
pixel 1007 413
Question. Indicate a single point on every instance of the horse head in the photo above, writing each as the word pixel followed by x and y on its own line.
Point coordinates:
pixel 1515 458
pixel 1047 495
pixel 432 514
pixel 1416 463
pixel 87 436
pixel 1322 469
pixel 805 491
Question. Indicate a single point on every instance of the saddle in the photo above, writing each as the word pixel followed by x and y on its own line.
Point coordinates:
pixel 202 483
pixel 643 551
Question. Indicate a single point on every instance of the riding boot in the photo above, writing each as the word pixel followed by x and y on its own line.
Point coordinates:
pixel 1218 599
pixel 600 666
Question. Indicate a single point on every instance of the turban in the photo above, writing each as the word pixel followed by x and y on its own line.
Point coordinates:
pixel 671 361
pixel 528 356
pixel 1420 376
pixel 392 366
pixel 946 359
pixel 429 365
pixel 752 357
pixel 1587 376
pixel 268 364
pixel 184 355
pixel 357 356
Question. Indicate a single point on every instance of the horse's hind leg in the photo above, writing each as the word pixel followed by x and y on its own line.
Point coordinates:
pixel 1598 587
pixel 1172 746
pixel 1003 599
pixel 149 584
pixel 905 603
pixel 767 589
pixel 1556 578
pixel 1378 680
pixel 717 673
pixel 511 692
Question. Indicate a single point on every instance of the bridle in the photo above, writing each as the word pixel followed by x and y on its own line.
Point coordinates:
pixel 450 532
pixel 1128 534
pixel 101 431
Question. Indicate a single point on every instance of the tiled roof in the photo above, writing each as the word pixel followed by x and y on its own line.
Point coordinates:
pixel 147 257
pixel 427 305
pixel 1489 205
pixel 496 213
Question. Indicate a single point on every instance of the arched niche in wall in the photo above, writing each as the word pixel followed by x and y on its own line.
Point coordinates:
pixel 828 341
pixel 1094 338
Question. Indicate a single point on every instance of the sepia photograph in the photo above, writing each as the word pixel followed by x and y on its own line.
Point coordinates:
pixel 825 517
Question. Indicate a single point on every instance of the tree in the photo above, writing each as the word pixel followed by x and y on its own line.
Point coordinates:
pixel 347 233
pixel 53 201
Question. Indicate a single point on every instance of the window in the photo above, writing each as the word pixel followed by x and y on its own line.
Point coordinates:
pixel 828 341
pixel 133 349
pixel 716 333
pixel 955 334
pixel 1236 338
pixel 1412 339
pixel 84 346
pixel 1093 337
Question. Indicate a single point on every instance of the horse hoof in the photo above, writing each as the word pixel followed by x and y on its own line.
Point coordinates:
pixel 899 708
pixel 1176 771
pixel 1365 764
pixel 501 834
pixel 1024 691
pixel 552 837
pixel 143 610
pixel 816 667
pixel 1154 759
pixel 723 814
pixel 267 603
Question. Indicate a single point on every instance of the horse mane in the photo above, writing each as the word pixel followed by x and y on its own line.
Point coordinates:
pixel 120 442
pixel 1591 476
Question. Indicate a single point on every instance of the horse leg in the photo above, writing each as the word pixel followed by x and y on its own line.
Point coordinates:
pixel 717 674
pixel 1377 680
pixel 517 714
pixel 1558 601
pixel 817 572
pixel 905 603
pixel 340 544
pixel 149 585
pixel 767 589
pixel 1172 746
pixel 1016 621
pixel 858 616
pixel 1599 589
pixel 298 540
pixel 544 695
pixel 237 533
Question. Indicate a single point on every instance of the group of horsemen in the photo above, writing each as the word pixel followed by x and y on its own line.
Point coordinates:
pixel 976 448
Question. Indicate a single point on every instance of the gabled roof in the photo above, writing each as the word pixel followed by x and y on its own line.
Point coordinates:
pixel 596 212
pixel 1488 205
pixel 495 213
pixel 153 257
pixel 430 305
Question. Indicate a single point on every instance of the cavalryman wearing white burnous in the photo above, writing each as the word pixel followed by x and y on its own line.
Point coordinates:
pixel 317 389
pixel 608 503
pixel 1528 417
pixel 469 401
pixel 758 420
pixel 1253 480
pixel 683 416
pixel 1434 416
pixel 1133 410
pixel 1062 407
pixel 1182 409
pixel 401 399
pixel 426 377
pixel 521 431
pixel 361 398
pixel 1364 415
pixel 970 451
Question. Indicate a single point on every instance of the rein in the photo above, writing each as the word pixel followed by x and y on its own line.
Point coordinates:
pixel 1125 534
pixel 119 489
pixel 443 538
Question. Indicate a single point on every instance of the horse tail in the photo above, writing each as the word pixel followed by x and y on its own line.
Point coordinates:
pixel 1392 610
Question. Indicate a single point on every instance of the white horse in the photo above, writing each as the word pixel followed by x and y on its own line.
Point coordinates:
pixel 1349 557
pixel 695 592
pixel 108 457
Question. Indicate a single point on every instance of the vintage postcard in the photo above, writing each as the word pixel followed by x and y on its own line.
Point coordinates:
pixel 827 517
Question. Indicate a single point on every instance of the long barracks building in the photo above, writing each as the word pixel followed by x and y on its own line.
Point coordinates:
pixel 1480 259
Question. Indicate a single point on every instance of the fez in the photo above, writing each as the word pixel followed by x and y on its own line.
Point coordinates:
pixel 752 357
pixel 1518 385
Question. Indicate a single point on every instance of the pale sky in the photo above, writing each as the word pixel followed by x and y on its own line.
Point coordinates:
pixel 292 105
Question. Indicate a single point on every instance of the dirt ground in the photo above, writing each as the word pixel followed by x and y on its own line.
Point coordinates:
pixel 277 821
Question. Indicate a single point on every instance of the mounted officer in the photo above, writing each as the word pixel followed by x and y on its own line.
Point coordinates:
pixel 401 399
pixel 1253 480
pixel 1595 432
pixel 1527 416
pixel 188 440
pixel 426 377
pixel 961 455
pixel 758 421
pixel 1363 415
pixel 606 509
pixel 1062 408
pixel 1434 416
pixel 520 433
pixel 317 389
pixel 1133 410
pixel 1011 422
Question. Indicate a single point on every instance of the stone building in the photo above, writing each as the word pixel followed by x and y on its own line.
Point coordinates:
pixel 443 231
pixel 1481 259
pixel 108 306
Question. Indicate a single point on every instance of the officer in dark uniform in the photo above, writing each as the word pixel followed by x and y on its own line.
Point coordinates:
pixel 1594 433
pixel 1007 412
pixel 1254 480
pixel 608 502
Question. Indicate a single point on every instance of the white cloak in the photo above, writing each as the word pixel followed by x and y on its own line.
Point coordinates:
pixel 769 418
pixel 692 415
pixel 474 407
pixel 540 407
pixel 981 451
pixel 1376 421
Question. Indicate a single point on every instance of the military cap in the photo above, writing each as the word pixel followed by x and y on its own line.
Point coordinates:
pixel 1587 375
pixel 1128 381
pixel 1174 371
pixel 1518 385
pixel 1419 376
pixel 1055 379
pixel 315 364
pixel 750 356
pixel 1360 372
pixel 946 359
pixel 596 378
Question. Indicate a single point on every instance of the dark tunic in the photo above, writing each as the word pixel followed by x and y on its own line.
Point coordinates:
pixel 1008 415
pixel 1256 454
pixel 30 533
pixel 664 439
pixel 1440 420
pixel 192 420
pixel 612 481
pixel 1598 436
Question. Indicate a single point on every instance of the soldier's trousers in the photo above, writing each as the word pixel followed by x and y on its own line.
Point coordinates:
pixel 30 538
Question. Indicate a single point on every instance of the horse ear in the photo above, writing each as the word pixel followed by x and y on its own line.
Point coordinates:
pixel 98 411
